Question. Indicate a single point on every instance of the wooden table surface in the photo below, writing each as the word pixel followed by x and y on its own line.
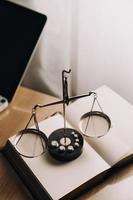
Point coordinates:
pixel 14 119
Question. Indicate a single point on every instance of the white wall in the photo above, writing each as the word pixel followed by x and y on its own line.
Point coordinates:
pixel 105 46
pixel 94 38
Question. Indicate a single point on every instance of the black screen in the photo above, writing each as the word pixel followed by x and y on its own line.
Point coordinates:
pixel 20 29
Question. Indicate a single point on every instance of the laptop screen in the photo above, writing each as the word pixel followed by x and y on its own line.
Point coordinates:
pixel 20 29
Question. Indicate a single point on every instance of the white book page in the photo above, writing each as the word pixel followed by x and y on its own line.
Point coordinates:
pixel 119 140
pixel 60 178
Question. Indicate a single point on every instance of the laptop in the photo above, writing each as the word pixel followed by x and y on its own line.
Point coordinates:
pixel 20 30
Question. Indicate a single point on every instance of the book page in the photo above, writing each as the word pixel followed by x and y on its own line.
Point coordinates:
pixel 60 178
pixel 119 139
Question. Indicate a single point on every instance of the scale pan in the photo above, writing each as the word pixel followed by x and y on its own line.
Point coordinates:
pixel 94 124
pixel 31 143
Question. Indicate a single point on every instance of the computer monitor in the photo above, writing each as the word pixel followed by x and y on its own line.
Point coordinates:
pixel 20 29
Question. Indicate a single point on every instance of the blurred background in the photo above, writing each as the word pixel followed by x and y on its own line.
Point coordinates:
pixel 93 38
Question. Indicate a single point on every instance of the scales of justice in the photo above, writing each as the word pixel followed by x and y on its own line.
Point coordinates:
pixel 64 144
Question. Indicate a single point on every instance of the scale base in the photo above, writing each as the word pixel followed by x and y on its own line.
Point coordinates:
pixel 65 144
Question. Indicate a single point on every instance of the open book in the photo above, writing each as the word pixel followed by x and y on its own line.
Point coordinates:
pixel 50 179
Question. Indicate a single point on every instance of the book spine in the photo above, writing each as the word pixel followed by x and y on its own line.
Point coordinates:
pixel 30 180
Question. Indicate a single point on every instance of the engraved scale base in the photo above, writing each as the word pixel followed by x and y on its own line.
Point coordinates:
pixel 65 147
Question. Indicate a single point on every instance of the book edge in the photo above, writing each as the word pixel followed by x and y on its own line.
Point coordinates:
pixel 33 184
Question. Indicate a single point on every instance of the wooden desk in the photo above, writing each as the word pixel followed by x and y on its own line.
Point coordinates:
pixel 14 119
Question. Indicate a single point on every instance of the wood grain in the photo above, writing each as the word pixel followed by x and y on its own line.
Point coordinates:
pixel 16 116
